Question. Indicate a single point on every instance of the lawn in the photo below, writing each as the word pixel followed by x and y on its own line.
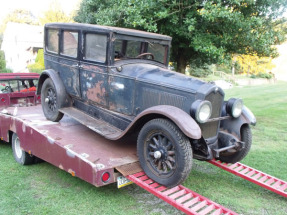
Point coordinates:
pixel 45 189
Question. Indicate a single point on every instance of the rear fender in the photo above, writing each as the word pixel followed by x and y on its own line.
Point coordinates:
pixel 184 121
pixel 234 125
pixel 65 100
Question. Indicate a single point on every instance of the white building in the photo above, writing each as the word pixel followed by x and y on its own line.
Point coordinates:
pixel 21 43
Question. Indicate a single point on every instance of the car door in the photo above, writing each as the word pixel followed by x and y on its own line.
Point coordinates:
pixel 69 61
pixel 5 91
pixel 93 68
pixel 122 84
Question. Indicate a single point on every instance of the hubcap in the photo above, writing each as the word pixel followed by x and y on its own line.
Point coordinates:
pixel 157 155
pixel 51 99
pixel 18 149
pixel 161 154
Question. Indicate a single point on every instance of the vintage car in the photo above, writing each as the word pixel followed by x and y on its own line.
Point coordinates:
pixel 116 82
pixel 18 89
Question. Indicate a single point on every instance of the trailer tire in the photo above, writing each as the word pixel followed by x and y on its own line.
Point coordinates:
pixel 246 136
pixel 164 152
pixel 20 155
pixel 50 101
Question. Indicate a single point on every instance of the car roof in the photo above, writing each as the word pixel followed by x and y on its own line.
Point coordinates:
pixel 5 76
pixel 101 28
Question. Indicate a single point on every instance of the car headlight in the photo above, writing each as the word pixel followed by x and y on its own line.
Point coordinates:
pixel 234 107
pixel 201 110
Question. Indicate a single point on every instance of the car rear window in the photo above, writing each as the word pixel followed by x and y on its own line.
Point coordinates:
pixel 52 40
pixel 15 86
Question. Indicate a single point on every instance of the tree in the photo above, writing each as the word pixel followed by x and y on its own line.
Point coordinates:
pixel 2 61
pixel 55 14
pixel 203 31
pixel 19 16
pixel 254 65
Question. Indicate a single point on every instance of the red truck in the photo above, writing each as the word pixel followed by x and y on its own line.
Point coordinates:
pixel 18 89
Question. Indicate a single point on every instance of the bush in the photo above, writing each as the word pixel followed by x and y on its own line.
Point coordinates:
pixel 2 62
pixel 265 75
pixel 262 75
pixel 6 70
pixel 38 66
pixel 202 71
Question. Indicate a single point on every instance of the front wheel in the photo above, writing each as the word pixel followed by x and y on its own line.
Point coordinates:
pixel 164 152
pixel 20 155
pixel 50 101
pixel 246 137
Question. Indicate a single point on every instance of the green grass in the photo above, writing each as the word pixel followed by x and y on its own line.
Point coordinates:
pixel 45 189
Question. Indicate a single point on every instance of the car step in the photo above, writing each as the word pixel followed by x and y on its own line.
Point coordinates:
pixel 255 176
pixel 180 197
pixel 94 124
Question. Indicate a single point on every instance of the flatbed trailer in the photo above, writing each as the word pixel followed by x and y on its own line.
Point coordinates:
pixel 81 152
pixel 68 145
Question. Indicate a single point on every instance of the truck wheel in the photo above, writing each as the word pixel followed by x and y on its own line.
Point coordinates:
pixel 246 136
pixel 164 152
pixel 50 101
pixel 20 156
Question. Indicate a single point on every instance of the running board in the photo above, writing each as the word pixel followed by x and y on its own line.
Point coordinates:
pixel 94 124
pixel 180 197
pixel 257 177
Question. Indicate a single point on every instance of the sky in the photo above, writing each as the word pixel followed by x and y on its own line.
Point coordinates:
pixel 35 6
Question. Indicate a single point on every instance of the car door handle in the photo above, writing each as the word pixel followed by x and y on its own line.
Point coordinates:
pixel 77 65
pixel 118 86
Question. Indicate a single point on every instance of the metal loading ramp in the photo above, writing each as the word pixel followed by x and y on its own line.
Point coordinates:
pixel 257 177
pixel 180 197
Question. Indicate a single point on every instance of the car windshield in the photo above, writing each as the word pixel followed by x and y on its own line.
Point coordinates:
pixel 132 48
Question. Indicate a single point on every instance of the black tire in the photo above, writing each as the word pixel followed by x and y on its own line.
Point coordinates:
pixel 20 156
pixel 246 136
pixel 164 152
pixel 50 101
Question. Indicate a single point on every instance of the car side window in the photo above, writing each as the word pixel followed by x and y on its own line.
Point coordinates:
pixel 70 43
pixel 14 86
pixel 95 47
pixel 4 87
pixel 133 49
pixel 52 40
pixel 28 85
pixel 23 85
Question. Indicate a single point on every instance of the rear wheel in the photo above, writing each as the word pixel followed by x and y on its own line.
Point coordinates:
pixel 20 155
pixel 165 153
pixel 50 101
pixel 246 137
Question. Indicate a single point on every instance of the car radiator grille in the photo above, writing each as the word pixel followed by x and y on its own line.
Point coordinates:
pixel 210 129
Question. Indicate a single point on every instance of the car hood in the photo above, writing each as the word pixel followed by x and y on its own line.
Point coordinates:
pixel 161 76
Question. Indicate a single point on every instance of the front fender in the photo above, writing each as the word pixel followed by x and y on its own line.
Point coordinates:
pixel 65 100
pixel 183 120
pixel 233 125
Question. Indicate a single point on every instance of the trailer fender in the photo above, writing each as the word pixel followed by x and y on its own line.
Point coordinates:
pixel 234 125
pixel 64 100
pixel 184 121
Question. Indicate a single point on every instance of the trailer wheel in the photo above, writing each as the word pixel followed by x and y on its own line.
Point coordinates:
pixel 246 136
pixel 50 101
pixel 20 156
pixel 164 152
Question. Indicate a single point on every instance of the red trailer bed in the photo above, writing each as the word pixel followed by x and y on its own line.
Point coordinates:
pixel 68 145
